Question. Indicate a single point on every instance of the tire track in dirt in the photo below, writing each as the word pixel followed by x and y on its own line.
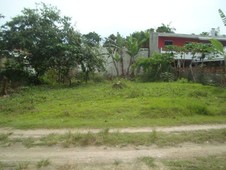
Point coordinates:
pixel 59 155
pixel 103 157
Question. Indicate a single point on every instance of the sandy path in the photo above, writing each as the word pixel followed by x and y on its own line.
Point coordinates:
pixel 102 154
pixel 37 133
pixel 104 157
pixel 97 155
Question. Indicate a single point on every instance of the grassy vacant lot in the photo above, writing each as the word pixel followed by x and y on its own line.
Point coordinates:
pixel 101 106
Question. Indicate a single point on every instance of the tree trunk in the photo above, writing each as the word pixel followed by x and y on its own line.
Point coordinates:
pixel 122 64
pixel 4 86
pixel 115 65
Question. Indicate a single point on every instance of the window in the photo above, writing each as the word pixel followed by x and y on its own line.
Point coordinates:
pixel 168 42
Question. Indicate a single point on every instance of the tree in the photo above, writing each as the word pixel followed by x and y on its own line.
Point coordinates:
pixel 165 28
pixel 155 68
pixel 219 48
pixel 217 44
pixel 48 37
pixel 90 60
pixel 223 17
pixel 132 48
pixel 115 46
pixel 92 39
pixel 143 38
pixel 204 34
pixel 109 44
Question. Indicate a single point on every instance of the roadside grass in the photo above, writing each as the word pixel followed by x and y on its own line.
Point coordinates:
pixel 123 139
pixel 43 163
pixel 101 106
pixel 16 166
pixel 105 138
pixel 215 162
pixel 22 166
pixel 149 161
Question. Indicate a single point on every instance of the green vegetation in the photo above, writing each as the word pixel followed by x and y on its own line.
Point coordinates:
pixel 198 163
pixel 22 166
pixel 101 106
pixel 149 161
pixel 43 163
pixel 121 139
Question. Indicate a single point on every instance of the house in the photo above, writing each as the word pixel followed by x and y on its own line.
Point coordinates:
pixel 158 42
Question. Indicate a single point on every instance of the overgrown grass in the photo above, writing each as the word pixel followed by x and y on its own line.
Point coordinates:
pixel 215 162
pixel 43 163
pixel 100 105
pixel 123 139
pixel 149 161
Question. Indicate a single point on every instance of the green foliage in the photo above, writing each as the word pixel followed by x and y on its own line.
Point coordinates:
pixel 223 17
pixel 155 66
pixel 115 46
pixel 22 166
pixel 219 48
pixel 198 163
pixel 167 77
pixel 43 163
pixel 107 138
pixel 165 29
pixel 92 39
pixel 44 40
pixel 142 37
pixel 91 61
pixel 149 161
pixel 217 45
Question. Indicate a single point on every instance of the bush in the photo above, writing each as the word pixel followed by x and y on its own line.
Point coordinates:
pixel 155 68
pixel 198 109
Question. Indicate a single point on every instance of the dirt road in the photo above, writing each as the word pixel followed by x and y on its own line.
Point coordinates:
pixel 43 132
pixel 103 157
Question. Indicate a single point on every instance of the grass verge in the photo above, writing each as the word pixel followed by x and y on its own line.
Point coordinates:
pixel 101 106
pixel 199 163
pixel 123 139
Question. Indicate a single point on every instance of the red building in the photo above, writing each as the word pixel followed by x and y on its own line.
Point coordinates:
pixel 159 40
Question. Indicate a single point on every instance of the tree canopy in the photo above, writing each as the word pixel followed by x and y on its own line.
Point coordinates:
pixel 49 41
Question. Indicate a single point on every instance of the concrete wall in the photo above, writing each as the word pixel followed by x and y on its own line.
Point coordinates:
pixel 110 68
pixel 153 43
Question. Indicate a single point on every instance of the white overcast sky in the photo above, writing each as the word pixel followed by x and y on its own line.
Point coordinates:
pixel 127 16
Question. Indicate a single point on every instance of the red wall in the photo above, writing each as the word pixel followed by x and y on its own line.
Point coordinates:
pixel 178 41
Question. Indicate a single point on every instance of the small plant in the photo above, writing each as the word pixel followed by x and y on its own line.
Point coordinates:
pixel 153 136
pixel 198 93
pixel 182 80
pixel 22 166
pixel 117 162
pixel 199 109
pixel 3 137
pixel 43 163
pixel 118 85
pixel 1 166
pixel 167 77
pixel 149 161
pixel 29 142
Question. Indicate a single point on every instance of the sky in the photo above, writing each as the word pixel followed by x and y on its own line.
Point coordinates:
pixel 107 17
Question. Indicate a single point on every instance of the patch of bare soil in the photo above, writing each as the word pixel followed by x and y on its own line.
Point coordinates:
pixel 104 157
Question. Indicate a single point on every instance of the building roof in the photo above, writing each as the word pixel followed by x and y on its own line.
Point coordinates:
pixel 220 38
